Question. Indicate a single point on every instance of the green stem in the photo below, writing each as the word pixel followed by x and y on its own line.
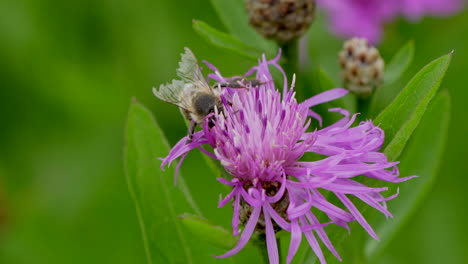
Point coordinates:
pixel 260 244
pixel 291 60
pixel 291 54
pixel 363 106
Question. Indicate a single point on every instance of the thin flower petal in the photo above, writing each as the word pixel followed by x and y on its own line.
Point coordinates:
pixel 355 212
pixel 296 237
pixel 246 234
pixel 313 243
pixel 324 97
pixel 271 240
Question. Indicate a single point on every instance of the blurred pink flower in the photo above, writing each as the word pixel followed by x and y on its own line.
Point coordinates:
pixel 415 9
pixel 366 18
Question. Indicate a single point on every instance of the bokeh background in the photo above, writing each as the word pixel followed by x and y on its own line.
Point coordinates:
pixel 68 70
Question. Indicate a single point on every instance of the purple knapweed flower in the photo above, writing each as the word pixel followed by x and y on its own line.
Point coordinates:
pixel 261 136
pixel 366 18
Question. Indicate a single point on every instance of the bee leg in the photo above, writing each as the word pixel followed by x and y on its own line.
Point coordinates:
pixel 191 131
pixel 233 83
pixel 256 82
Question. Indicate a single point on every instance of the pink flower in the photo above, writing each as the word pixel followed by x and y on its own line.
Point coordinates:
pixel 260 138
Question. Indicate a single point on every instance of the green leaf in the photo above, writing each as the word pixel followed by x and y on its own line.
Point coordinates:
pixel 234 16
pixel 394 70
pixel 422 157
pixel 402 116
pixel 158 202
pixel 225 41
pixel 206 232
pixel 399 63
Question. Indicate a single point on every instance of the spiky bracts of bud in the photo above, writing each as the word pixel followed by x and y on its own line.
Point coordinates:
pixel 362 67
pixel 281 20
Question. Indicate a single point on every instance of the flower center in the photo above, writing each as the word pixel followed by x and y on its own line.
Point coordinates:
pixel 270 189
pixel 259 134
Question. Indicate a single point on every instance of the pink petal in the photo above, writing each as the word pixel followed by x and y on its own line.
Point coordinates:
pixel 326 96
pixel 246 234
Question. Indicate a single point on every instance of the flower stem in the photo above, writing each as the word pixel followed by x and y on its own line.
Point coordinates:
pixel 363 105
pixel 291 62
pixel 291 53
pixel 260 244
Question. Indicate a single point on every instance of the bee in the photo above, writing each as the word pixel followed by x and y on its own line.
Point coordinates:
pixel 192 93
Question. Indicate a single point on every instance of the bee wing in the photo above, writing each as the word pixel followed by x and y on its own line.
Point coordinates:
pixel 180 92
pixel 189 70
pixel 170 92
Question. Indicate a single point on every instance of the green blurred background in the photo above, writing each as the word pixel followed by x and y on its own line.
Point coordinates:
pixel 68 70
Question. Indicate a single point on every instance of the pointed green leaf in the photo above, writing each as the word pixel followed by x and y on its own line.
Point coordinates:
pixel 234 16
pixel 422 157
pixel 394 70
pixel 402 116
pixel 225 41
pixel 399 63
pixel 204 231
pixel 158 202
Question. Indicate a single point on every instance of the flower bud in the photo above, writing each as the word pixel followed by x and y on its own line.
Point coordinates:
pixel 362 67
pixel 281 20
